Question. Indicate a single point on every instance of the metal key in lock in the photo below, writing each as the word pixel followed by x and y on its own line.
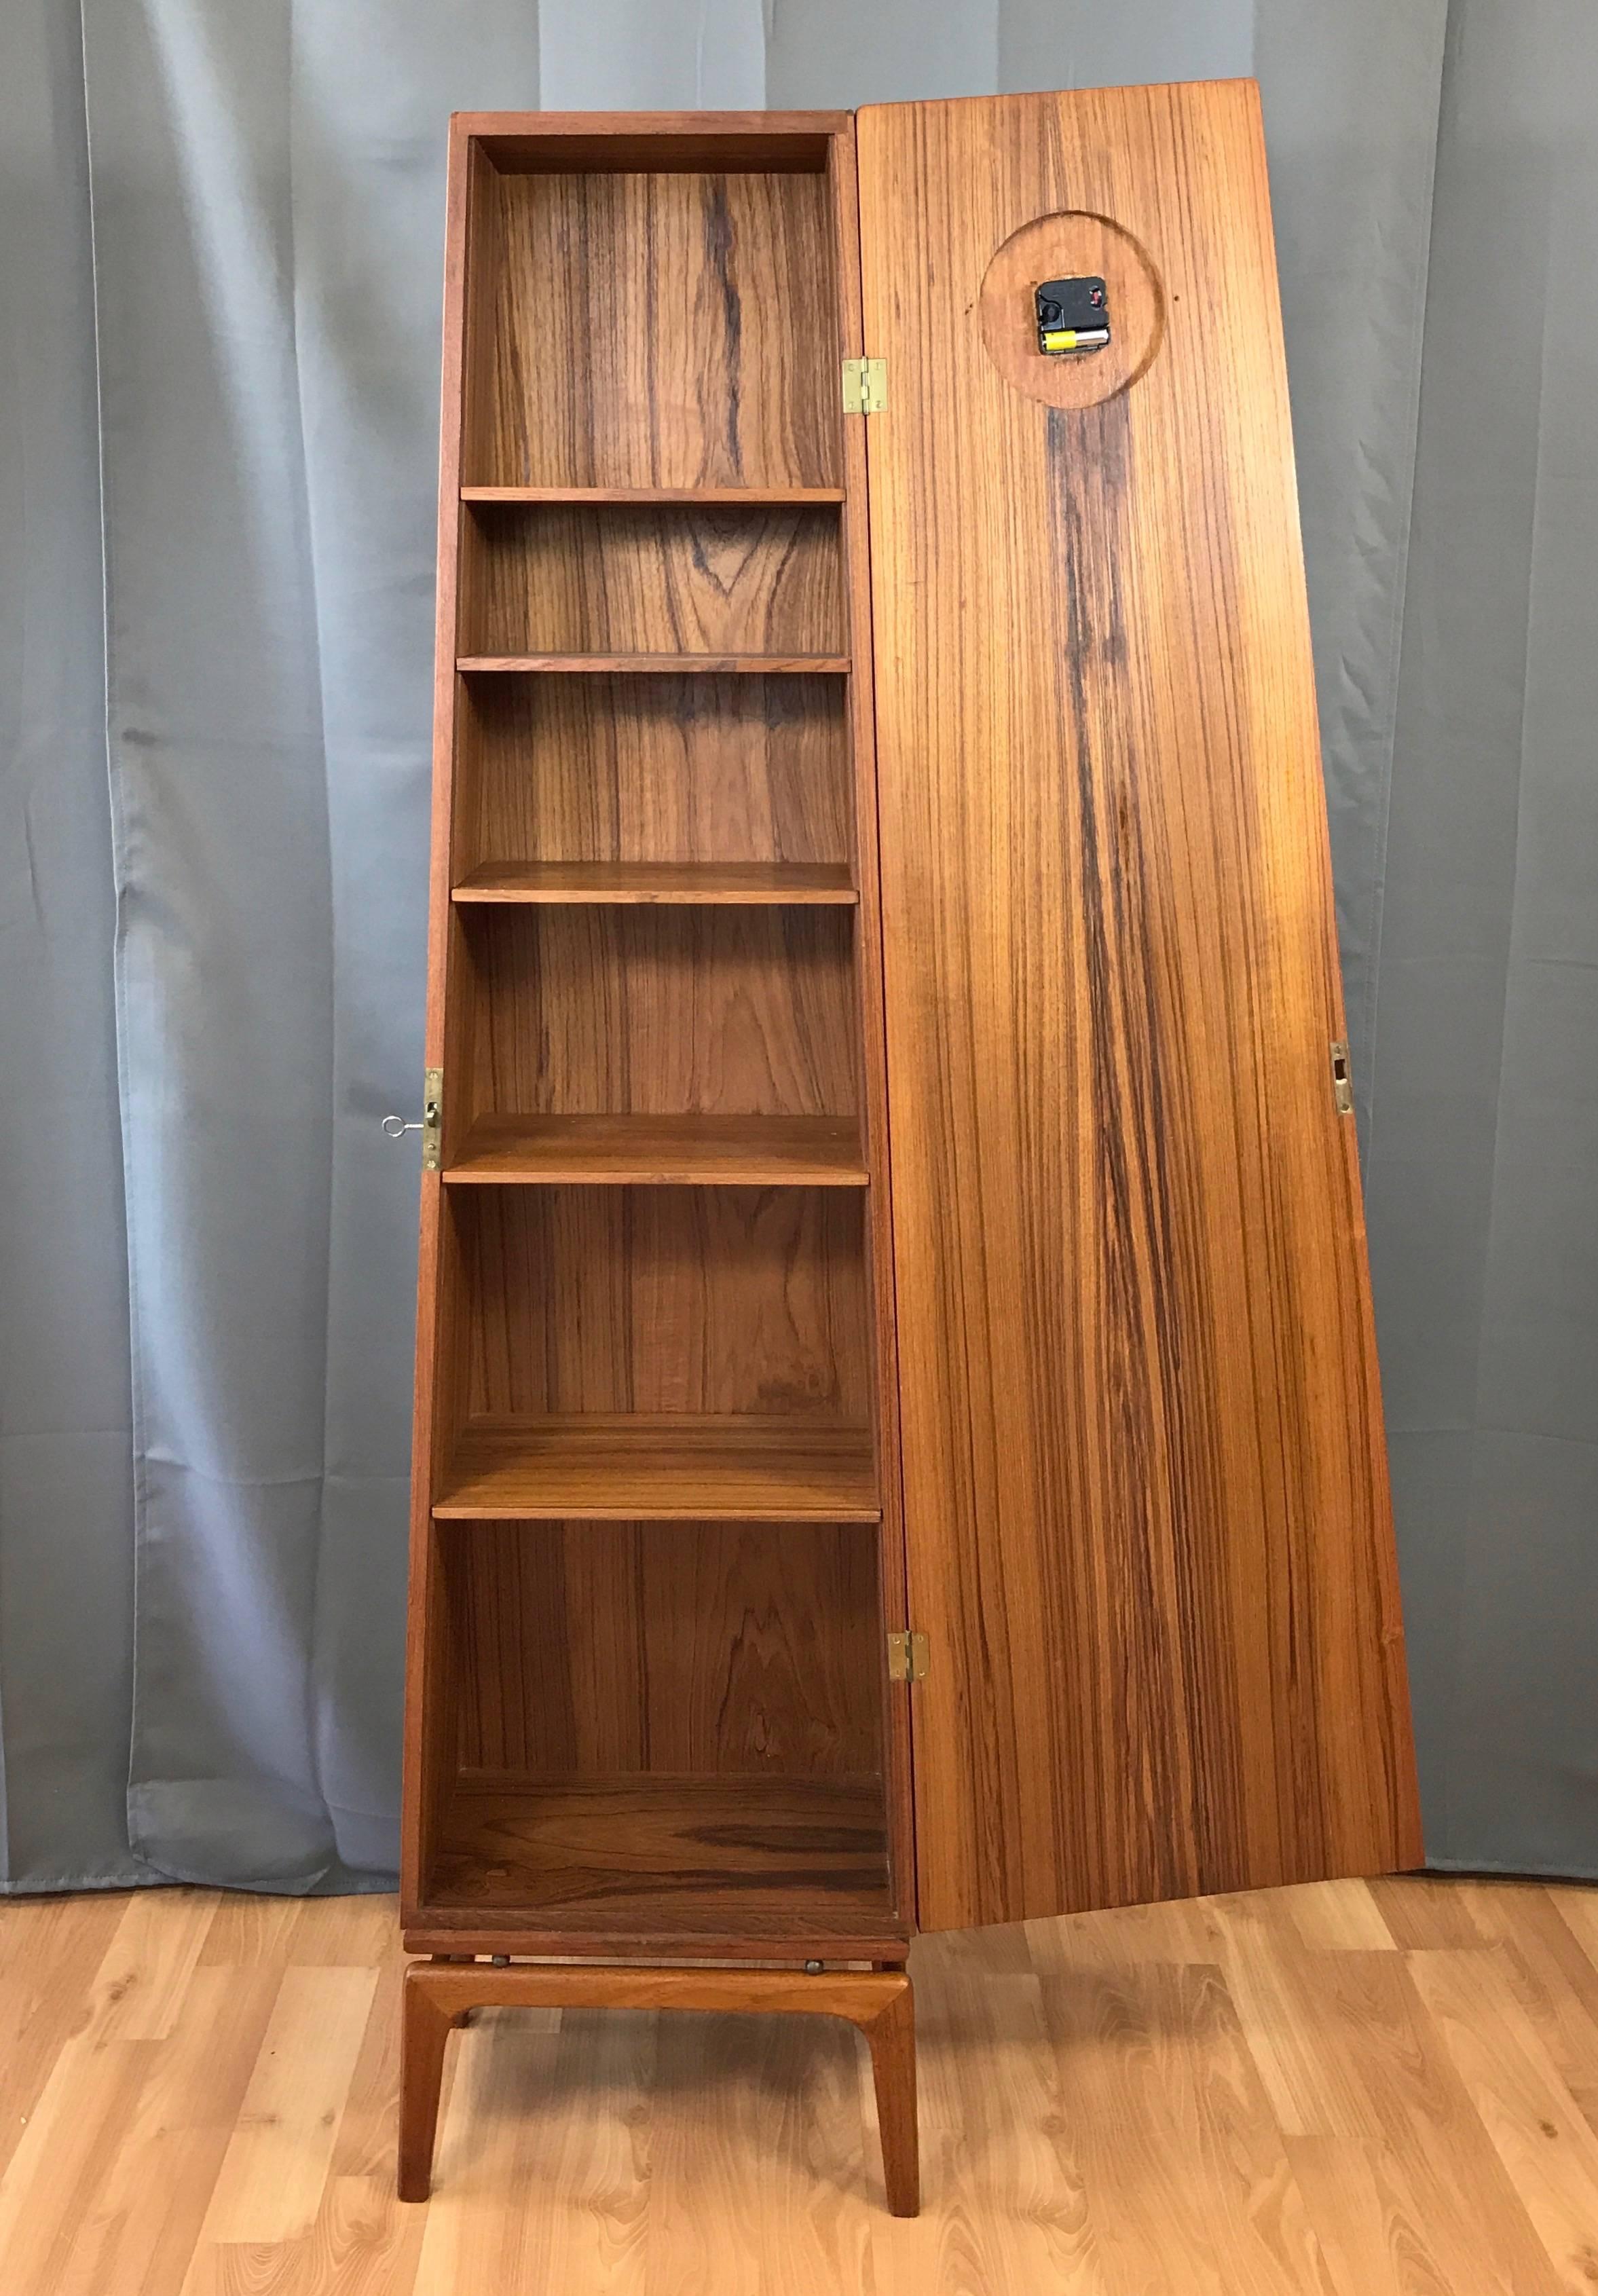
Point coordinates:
pixel 429 1124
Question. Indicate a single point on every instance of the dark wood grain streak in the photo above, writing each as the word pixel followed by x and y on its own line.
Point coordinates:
pixel 689 1852
pixel 1146 1503
pixel 1150 1376
pixel 653 330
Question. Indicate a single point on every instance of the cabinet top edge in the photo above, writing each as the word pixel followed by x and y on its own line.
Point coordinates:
pixel 527 143
pixel 1019 97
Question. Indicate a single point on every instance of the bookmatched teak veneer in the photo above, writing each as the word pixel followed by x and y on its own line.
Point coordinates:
pixel 706 1664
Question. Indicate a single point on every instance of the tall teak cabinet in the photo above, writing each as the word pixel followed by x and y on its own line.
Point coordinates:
pixel 897 1435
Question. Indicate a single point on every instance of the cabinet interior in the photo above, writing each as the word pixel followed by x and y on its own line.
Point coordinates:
pixel 664 1725
pixel 653 1607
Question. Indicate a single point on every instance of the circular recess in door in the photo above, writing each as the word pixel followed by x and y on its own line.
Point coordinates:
pixel 1072 246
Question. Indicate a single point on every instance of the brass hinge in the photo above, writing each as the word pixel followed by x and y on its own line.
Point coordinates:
pixel 432 1118
pixel 865 386
pixel 1342 1082
pixel 906 1657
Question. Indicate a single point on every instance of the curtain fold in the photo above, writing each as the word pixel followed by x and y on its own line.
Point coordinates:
pixel 66 1455
pixel 268 238
pixel 1483 1164
pixel 220 250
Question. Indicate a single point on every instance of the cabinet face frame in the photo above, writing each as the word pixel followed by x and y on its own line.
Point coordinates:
pixel 482 147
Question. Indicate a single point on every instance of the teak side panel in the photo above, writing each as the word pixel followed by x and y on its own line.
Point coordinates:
pixel 1146 1504
pixel 429 1711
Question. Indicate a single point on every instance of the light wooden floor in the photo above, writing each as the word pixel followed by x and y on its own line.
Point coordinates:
pixel 1342 2090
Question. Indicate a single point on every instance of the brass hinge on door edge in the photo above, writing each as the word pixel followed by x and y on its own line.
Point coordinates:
pixel 906 1657
pixel 865 386
pixel 1342 1081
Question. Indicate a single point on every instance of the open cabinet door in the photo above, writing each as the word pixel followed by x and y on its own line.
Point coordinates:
pixel 1149 1533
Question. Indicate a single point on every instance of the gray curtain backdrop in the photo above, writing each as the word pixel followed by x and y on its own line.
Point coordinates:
pixel 220 244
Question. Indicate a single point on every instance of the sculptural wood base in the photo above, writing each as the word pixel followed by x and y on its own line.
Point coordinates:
pixel 440 1994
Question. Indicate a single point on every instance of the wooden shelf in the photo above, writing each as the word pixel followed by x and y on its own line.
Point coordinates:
pixel 667 1468
pixel 747 1854
pixel 658 665
pixel 745 1151
pixel 730 884
pixel 711 498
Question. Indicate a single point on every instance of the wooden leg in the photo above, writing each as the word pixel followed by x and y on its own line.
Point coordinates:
pixel 440 1994
pixel 891 2038
pixel 425 2029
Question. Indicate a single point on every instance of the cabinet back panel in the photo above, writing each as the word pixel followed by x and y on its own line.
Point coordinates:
pixel 666 1299
pixel 564 579
pixel 660 330
pixel 655 769
pixel 600 1649
pixel 693 1010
